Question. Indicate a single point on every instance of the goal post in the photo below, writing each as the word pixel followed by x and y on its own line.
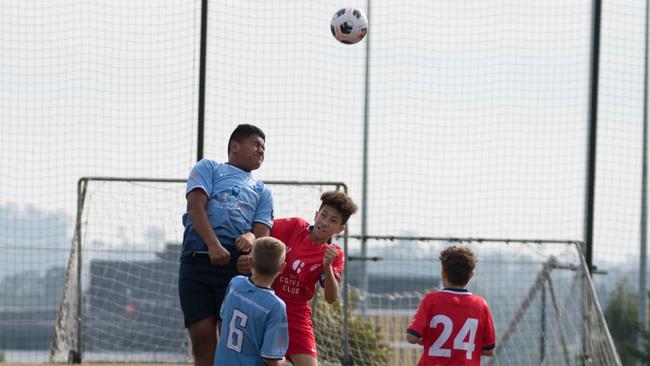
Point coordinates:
pixel 540 293
pixel 120 300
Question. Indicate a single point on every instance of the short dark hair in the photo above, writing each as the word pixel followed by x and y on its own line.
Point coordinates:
pixel 243 131
pixel 458 261
pixel 268 255
pixel 341 202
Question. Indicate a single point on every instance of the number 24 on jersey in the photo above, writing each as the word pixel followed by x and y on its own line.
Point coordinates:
pixel 467 331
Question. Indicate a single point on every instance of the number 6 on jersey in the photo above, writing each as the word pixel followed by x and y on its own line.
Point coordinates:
pixel 235 331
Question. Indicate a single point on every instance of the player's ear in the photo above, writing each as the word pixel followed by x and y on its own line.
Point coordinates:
pixel 250 261
pixel 234 146
pixel 316 214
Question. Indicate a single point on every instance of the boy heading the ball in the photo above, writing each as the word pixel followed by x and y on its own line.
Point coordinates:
pixel 311 258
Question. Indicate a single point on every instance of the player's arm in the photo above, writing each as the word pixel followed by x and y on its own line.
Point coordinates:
pixel 275 340
pixel 485 352
pixel 244 244
pixel 197 202
pixel 330 283
pixel 420 322
pixel 414 339
pixel 273 362
pixel 489 337
pixel 260 230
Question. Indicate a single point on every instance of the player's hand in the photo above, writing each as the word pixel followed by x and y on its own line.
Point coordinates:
pixel 242 264
pixel 329 256
pixel 218 255
pixel 244 242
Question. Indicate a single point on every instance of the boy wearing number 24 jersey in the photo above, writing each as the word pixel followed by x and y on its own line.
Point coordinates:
pixel 454 326
pixel 254 329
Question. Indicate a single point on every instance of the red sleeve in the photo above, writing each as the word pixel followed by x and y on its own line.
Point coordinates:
pixel 282 229
pixel 337 267
pixel 338 264
pixel 420 321
pixel 489 339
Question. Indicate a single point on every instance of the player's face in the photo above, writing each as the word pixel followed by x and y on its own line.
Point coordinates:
pixel 249 153
pixel 327 223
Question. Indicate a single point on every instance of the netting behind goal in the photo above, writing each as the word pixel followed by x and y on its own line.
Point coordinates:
pixel 125 255
pixel 541 297
pixel 124 265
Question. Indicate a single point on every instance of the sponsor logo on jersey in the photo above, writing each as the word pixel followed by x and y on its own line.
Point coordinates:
pixel 298 265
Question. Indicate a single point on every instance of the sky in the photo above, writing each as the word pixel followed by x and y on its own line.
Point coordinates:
pixel 477 113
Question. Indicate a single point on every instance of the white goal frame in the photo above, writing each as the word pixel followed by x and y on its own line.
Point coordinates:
pixel 66 346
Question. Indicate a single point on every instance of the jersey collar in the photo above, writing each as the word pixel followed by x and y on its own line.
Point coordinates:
pixel 460 291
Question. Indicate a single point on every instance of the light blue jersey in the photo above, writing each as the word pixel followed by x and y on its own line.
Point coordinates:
pixel 236 200
pixel 254 325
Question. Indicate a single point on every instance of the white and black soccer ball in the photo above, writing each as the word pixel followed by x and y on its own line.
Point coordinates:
pixel 349 25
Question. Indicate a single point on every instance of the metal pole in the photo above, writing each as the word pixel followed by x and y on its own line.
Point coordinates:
pixel 347 356
pixel 202 60
pixel 364 183
pixel 593 124
pixel 591 165
pixel 542 335
pixel 76 355
pixel 643 246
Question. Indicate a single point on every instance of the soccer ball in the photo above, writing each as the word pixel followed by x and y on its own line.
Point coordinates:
pixel 349 25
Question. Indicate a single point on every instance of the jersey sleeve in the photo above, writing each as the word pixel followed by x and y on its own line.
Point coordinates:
pixel 276 334
pixel 337 266
pixel 201 177
pixel 282 229
pixel 264 210
pixel 420 320
pixel 489 339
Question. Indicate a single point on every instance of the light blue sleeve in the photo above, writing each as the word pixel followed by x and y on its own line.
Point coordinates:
pixel 264 211
pixel 201 176
pixel 276 334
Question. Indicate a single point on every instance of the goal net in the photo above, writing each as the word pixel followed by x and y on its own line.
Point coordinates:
pixel 120 300
pixel 540 293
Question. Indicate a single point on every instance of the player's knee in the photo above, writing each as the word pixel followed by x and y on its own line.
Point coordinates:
pixel 203 337
pixel 203 347
pixel 203 352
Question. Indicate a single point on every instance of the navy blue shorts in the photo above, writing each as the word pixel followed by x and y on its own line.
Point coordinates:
pixel 202 285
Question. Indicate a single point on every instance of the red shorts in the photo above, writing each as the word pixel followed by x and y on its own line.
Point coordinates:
pixel 301 337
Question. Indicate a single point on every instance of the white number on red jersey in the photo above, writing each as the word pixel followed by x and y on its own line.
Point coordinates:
pixel 468 331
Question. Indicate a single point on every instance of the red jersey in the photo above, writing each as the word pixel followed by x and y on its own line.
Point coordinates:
pixel 455 326
pixel 296 284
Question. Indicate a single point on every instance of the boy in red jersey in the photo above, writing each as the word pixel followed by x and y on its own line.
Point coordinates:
pixel 311 258
pixel 454 326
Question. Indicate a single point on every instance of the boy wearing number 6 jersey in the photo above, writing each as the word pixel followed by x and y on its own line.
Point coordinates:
pixel 454 326
pixel 254 329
